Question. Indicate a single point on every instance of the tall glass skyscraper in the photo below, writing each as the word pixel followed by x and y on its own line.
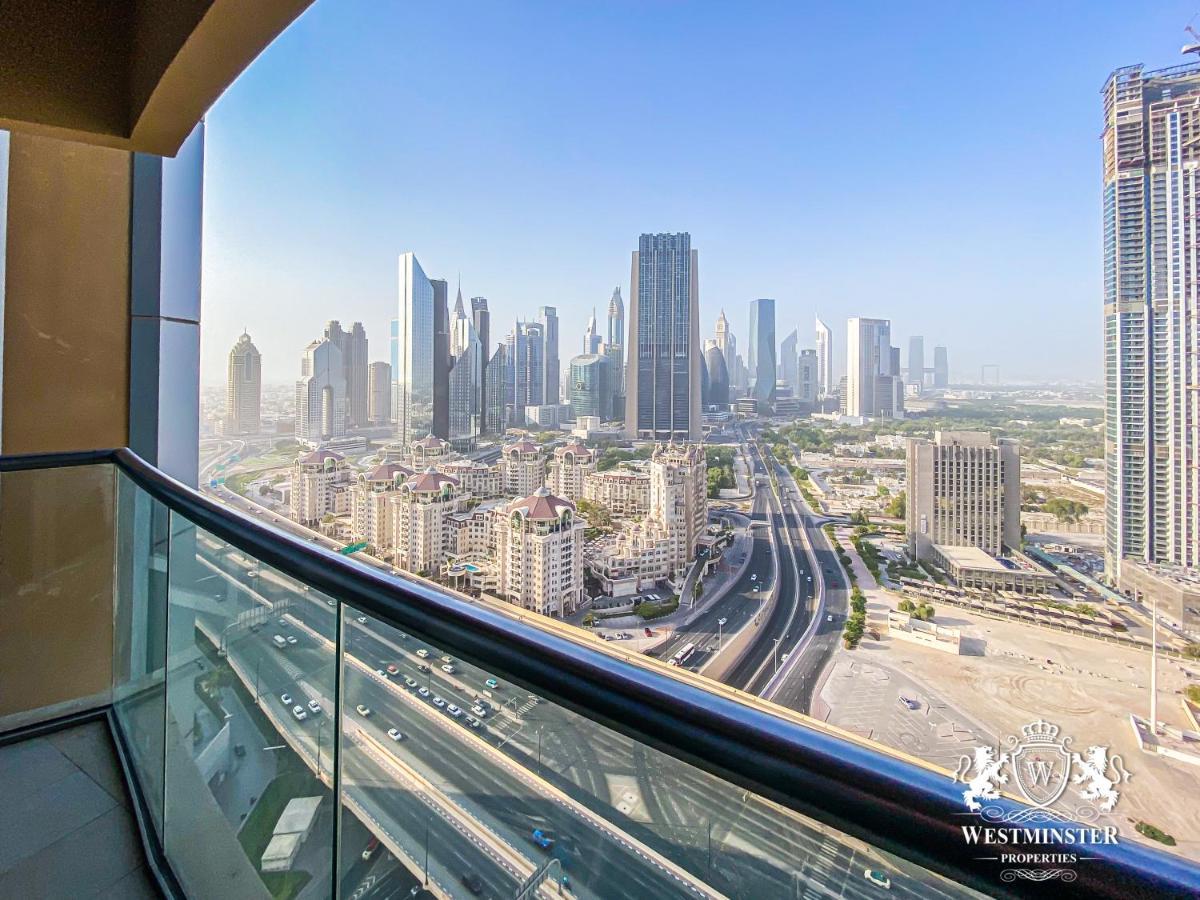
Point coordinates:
pixel 763 366
pixel 551 375
pixel 415 370
pixel 591 394
pixel 662 385
pixel 826 383
pixel 916 361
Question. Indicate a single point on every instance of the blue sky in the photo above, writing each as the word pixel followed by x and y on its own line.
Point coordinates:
pixel 932 163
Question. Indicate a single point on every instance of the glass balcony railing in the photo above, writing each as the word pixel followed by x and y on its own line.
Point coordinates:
pixel 300 725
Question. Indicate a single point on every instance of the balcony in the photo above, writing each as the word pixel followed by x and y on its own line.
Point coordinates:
pixel 291 722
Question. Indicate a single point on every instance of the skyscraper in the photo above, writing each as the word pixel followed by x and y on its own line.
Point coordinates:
pixel 1151 307
pixel 548 317
pixel 482 320
pixel 870 366
pixel 807 367
pixel 353 347
pixel 728 344
pixel 941 368
pixel 243 396
pixel 788 358
pixel 591 337
pixel 321 393
pixel 526 368
pixel 826 383
pixel 718 376
pixel 916 361
pixel 466 371
pixel 379 396
pixel 422 373
pixel 616 318
pixel 763 367
pixel 662 383
pixel 614 349
pixel 588 384
pixel 496 385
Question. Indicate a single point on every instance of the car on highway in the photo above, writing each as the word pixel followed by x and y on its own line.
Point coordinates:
pixel 395 735
pixel 754 577
pixel 649 632
pixel 381 673
pixel 439 702
pixel 424 692
pixel 372 846
pixel 449 669
pixel 908 702
pixel 283 621
pixel 279 641
pixel 722 620
pixel 877 878
pixel 473 722
pixel 410 681
pixel 829 618
pixel 285 699
pixel 479 711
pixel 393 669
pixel 454 710
pixel 362 620
pixel 472 883
pixel 314 707
pixel 363 710
pixel 423 653
pixel 291 639
pixel 447 659
pixel 492 683
pixel 542 838
pixel 299 712
pixel 422 668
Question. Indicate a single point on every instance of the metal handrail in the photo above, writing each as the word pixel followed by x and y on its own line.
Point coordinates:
pixel 895 805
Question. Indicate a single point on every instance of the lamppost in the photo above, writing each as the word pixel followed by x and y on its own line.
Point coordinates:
pixel 775 652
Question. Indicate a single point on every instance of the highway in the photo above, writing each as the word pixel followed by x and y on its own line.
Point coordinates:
pixel 739 844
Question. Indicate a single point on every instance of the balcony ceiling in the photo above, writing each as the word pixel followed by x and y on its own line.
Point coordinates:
pixel 132 74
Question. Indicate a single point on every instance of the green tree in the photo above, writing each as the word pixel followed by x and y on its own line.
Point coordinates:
pixel 897 508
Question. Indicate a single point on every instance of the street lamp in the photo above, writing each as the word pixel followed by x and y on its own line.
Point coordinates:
pixel 775 652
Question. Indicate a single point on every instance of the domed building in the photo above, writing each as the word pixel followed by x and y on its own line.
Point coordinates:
pixel 539 553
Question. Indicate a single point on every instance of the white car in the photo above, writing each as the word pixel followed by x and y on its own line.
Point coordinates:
pixel 363 710
pixel 448 669
pixel 754 577
pixel 878 879
pixel 381 673
pixel 454 710
pixel 362 620
pixel 447 659
pixel 291 639
pixel 439 702
pixel 472 721
pixel 829 618
pixel 424 692
pixel 285 699
pixel 299 712
pixel 314 707
pixel 410 681
pixel 479 711
pixel 423 653
pixel 395 735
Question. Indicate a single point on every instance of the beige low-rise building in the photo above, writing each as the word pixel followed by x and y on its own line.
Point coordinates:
pixel 524 468
pixel 569 470
pixel 625 494
pixel 632 560
pixel 679 500
pixel 539 553
pixel 370 519
pixel 419 513
pixel 476 478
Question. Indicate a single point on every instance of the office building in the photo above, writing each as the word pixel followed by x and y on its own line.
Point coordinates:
pixel 320 484
pixel 394 360
pixel 321 394
pixel 243 394
pixel 481 318
pixel 678 500
pixel 525 352
pixel 591 337
pixel 718 377
pixel 964 490
pixel 872 370
pixel 826 382
pixel 808 369
pixel 551 372
pixel 465 377
pixel 379 397
pixel 916 361
pixel 941 368
pixel 569 470
pixel 588 385
pixel 788 358
pixel 524 468
pixel 764 369
pixel 353 347
pixel 419 510
pixel 1151 307
pixel 614 347
pixel 423 364
pixel 496 380
pixel 662 382
pixel 539 553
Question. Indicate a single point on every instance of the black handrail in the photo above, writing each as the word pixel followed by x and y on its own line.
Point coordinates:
pixel 895 805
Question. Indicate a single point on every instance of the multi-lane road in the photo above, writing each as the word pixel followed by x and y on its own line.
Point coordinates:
pixel 627 820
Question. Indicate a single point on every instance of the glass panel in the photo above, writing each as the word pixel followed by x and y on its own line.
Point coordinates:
pixel 56 592
pixel 250 698
pixel 140 635
pixel 453 777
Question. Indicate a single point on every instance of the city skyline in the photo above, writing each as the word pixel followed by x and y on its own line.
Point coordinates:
pixel 282 193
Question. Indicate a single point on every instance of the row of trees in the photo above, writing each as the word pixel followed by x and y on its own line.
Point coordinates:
pixel 856 624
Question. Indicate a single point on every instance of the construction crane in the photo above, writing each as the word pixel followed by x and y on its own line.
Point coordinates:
pixel 1195 47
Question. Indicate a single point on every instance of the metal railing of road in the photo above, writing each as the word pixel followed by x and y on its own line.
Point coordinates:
pixel 895 805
